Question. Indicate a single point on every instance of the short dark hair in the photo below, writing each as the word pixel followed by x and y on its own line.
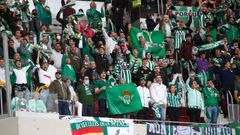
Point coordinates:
pixel 101 71
pixel 158 75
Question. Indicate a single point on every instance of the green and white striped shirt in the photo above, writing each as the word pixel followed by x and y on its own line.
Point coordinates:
pixel 126 74
pixel 203 17
pixel 173 100
pixel 179 37
pixel 151 65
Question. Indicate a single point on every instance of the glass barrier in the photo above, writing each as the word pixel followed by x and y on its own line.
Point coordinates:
pixel 34 102
pixel 234 112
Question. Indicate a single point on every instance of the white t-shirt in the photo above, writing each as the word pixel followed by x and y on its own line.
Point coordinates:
pixel 21 75
pixel 45 77
pixel 57 57
pixel 51 69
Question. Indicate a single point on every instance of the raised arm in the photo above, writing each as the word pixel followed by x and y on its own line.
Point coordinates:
pixel 63 2
pixel 58 17
pixel 187 84
pixel 102 14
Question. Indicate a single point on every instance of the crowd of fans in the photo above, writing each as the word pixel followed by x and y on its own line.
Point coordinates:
pixel 83 60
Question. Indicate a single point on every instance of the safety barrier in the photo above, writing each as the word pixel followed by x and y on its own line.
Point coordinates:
pixel 233 109
pixel 144 127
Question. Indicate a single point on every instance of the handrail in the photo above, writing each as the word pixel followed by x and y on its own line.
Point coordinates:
pixel 1 100
pixel 231 98
pixel 158 121
pixel 179 122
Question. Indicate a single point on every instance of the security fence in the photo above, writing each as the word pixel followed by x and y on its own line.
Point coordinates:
pixel 233 109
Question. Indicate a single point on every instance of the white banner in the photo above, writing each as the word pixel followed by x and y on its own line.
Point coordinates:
pixel 101 126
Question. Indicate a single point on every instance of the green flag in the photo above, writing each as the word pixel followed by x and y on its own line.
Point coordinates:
pixel 154 40
pixel 123 98
pixel 182 12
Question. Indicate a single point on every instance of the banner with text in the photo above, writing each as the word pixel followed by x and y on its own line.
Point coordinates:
pixel 101 126
pixel 163 129
pixel 182 12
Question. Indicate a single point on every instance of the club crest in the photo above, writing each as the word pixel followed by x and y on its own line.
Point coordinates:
pixel 126 97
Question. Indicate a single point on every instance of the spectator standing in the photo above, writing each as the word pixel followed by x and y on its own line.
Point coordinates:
pixel 134 64
pixel 68 71
pixel 227 84
pixel 20 83
pixel 94 16
pixel 145 72
pixel 34 24
pixel 57 55
pixel 44 13
pixel 75 57
pixel 145 100
pixel 92 72
pixel 195 101
pixel 125 73
pixel 158 93
pixel 101 59
pixel 173 99
pixel 85 93
pixel 211 98
pixel 101 86
pixel 167 31
pixel 61 89
pixel 150 63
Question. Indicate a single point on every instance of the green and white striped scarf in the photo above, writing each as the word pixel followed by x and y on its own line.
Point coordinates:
pixel 117 68
pixel 134 65
pixel 207 46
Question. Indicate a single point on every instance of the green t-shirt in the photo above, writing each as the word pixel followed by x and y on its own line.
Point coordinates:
pixel 99 84
pixel 42 14
pixel 85 94
pixel 211 96
pixel 95 16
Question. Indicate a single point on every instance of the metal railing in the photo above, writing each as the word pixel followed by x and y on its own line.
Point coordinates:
pixel 1 100
pixel 233 109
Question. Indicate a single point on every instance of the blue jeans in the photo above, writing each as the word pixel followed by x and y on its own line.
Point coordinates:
pixel 212 113
pixel 87 110
pixel 63 108
pixel 162 111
